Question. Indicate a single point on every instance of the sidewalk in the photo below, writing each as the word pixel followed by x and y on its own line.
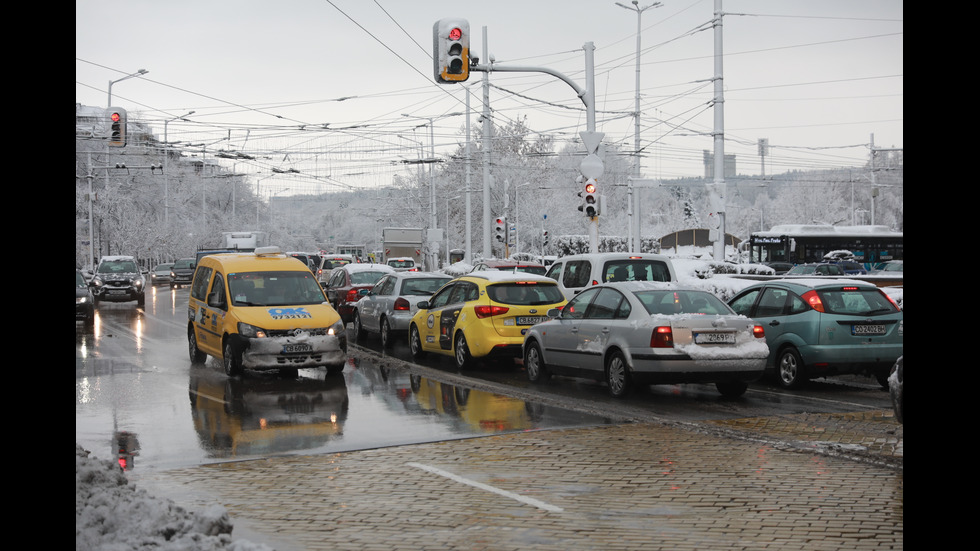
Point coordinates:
pixel 811 481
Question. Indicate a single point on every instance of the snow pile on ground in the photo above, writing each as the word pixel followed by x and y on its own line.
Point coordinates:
pixel 112 515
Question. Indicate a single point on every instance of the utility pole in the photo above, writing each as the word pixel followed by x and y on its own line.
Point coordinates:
pixel 634 196
pixel 716 190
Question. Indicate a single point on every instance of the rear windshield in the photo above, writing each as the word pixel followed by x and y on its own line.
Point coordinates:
pixel 635 269
pixel 529 293
pixel 274 288
pixel 423 286
pixel 539 270
pixel 854 301
pixel 682 302
pixel 401 263
pixel 366 278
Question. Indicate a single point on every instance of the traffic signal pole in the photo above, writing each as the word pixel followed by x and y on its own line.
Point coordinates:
pixel 587 95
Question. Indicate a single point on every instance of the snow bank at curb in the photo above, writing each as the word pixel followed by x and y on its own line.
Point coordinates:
pixel 112 515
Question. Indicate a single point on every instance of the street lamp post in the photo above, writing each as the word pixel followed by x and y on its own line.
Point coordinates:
pixel 141 72
pixel 166 175
pixel 635 213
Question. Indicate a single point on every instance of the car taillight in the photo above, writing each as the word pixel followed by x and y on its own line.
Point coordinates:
pixel 813 299
pixel 352 296
pixel 662 337
pixel 402 304
pixel 890 299
pixel 758 331
pixel 488 311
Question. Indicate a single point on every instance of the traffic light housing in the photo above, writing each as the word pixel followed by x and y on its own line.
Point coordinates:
pixel 544 237
pixel 500 228
pixel 591 198
pixel 116 122
pixel 451 50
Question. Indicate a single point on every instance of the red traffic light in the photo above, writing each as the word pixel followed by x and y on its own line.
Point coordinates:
pixel 455 33
pixel 115 117
pixel 590 188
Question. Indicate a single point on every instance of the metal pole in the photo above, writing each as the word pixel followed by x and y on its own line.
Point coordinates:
pixel 487 249
pixel 469 247
pixel 719 133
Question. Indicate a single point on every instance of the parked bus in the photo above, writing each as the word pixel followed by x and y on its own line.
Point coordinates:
pixel 801 243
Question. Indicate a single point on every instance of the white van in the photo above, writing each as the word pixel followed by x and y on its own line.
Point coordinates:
pixel 578 272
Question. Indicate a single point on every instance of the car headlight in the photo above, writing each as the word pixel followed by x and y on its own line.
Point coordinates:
pixel 138 282
pixel 97 281
pixel 251 331
pixel 81 300
pixel 338 329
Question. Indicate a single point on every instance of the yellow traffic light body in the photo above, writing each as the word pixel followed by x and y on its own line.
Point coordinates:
pixel 451 50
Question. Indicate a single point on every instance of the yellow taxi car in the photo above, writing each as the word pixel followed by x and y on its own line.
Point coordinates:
pixel 263 311
pixel 482 315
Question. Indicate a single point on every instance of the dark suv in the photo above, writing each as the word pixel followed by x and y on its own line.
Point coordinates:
pixel 182 272
pixel 118 279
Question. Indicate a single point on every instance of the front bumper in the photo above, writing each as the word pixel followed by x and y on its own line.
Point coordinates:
pixel 272 352
pixel 115 294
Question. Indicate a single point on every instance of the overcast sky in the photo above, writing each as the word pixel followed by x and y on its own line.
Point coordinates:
pixel 817 79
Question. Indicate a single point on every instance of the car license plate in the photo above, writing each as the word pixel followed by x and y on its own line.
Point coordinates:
pixel 530 320
pixel 294 348
pixel 867 329
pixel 117 291
pixel 714 338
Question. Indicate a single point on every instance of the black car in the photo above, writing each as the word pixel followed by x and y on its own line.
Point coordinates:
pixel 118 279
pixel 84 301
pixel 182 272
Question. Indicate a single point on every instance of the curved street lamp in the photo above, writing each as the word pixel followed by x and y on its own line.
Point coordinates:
pixel 141 72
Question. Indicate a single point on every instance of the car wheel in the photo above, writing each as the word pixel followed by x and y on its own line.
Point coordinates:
pixel 537 372
pixel 232 359
pixel 195 353
pixel 618 375
pixel 462 352
pixel 141 300
pixel 359 333
pixel 789 369
pixel 882 377
pixel 732 389
pixel 386 335
pixel 415 342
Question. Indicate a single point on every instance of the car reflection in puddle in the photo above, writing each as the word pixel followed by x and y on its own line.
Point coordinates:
pixel 365 407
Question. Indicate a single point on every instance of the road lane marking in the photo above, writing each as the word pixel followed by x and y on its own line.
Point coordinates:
pixel 523 499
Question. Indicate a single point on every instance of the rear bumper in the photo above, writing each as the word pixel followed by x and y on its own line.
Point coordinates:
pixel 850 358
pixel 689 370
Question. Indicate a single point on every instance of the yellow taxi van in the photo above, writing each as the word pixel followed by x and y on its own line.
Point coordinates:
pixel 262 310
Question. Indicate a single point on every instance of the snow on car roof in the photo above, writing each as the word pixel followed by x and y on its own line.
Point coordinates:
pixel 366 267
pixel 495 276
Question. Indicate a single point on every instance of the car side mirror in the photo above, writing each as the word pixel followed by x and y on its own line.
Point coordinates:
pixel 215 300
pixel 423 305
pixel 554 313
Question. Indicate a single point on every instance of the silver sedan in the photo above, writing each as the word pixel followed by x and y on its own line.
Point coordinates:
pixel 640 332
pixel 388 307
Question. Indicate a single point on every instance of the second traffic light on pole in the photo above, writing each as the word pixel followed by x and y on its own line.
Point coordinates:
pixel 590 196
pixel 451 45
pixel 500 229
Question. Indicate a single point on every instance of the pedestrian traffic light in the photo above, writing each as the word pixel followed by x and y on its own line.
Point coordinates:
pixel 117 126
pixel 451 50
pixel 591 196
pixel 500 229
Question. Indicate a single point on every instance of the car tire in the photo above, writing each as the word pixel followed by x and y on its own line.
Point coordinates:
pixel 386 336
pixel 790 372
pixel 231 358
pixel 415 342
pixel 196 355
pixel 461 352
pixel 537 371
pixel 359 333
pixel 732 389
pixel 141 300
pixel 618 375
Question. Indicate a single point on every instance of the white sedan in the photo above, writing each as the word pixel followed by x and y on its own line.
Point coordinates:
pixel 388 307
pixel 640 332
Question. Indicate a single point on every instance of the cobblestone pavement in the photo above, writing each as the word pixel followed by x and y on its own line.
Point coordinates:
pixel 809 481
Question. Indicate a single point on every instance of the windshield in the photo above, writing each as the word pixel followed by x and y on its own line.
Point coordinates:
pixel 274 288
pixel 682 302
pixel 526 293
pixel 118 267
pixel 79 280
pixel 184 263
pixel 423 286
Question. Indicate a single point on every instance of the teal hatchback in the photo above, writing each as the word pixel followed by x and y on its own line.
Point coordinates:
pixel 820 327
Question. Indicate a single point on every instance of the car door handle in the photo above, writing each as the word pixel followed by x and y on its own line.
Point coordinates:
pixel 774 323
